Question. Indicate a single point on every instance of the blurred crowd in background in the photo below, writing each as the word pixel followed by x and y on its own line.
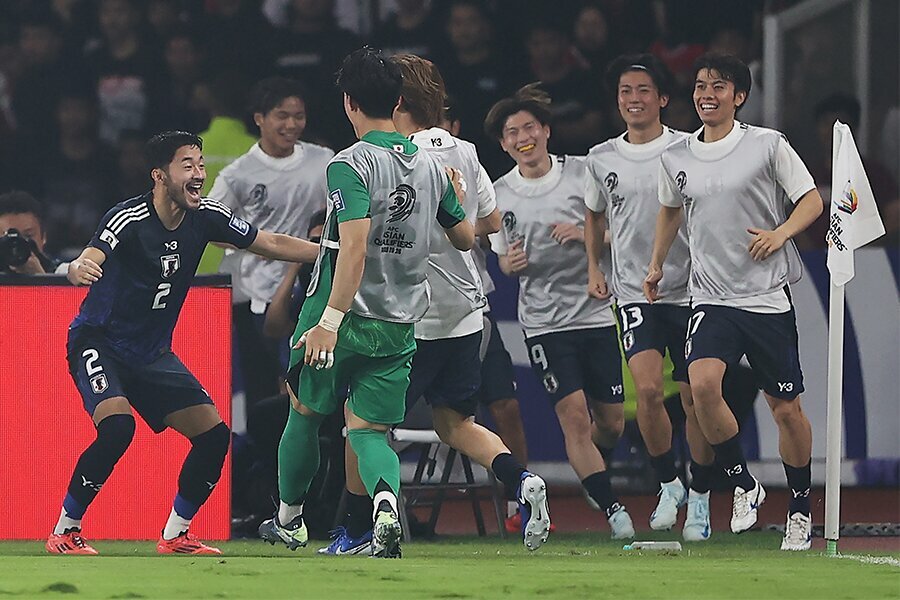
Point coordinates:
pixel 83 83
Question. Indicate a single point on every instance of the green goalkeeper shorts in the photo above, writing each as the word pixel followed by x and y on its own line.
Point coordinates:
pixel 377 384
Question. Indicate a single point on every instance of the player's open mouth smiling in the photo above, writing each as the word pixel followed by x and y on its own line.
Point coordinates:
pixel 708 106
pixel 525 148
pixel 193 189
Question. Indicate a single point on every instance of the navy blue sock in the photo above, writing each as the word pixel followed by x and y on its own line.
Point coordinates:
pixel 600 490
pixel 201 470
pixel 730 457
pixel 94 466
pixel 701 477
pixel 664 466
pixel 509 471
pixel 359 514
pixel 799 479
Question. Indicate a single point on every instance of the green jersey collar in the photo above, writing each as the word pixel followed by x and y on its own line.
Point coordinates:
pixel 390 139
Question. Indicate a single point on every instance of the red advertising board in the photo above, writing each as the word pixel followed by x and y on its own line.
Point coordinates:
pixel 44 427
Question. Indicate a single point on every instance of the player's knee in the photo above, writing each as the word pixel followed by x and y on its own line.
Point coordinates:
pixel 213 442
pixel 505 411
pixel 576 426
pixel 115 432
pixel 649 393
pixel 787 412
pixel 706 389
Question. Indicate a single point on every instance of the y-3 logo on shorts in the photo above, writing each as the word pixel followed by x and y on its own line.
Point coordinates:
pixel 617 390
pixel 735 470
pixel 785 386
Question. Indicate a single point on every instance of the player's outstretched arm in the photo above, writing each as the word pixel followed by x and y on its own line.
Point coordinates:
pixel 595 230
pixel 667 223
pixel 462 235
pixel 279 246
pixel 86 269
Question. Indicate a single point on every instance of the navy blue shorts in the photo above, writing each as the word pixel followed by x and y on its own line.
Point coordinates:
pixel 657 327
pixel 497 376
pixel 583 359
pixel 154 390
pixel 768 340
pixel 446 373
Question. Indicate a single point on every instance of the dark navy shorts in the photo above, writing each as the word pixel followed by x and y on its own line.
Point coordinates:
pixel 497 376
pixel 768 340
pixel 154 390
pixel 447 373
pixel 657 327
pixel 583 359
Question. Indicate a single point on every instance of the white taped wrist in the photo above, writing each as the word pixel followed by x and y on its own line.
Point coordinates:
pixel 331 319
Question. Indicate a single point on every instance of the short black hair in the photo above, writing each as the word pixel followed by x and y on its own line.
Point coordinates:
pixel 317 220
pixel 17 202
pixel 373 83
pixel 272 91
pixel 530 98
pixel 843 104
pixel 648 63
pixel 730 68
pixel 161 148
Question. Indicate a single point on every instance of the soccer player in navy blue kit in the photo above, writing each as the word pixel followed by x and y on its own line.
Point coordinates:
pixel 140 265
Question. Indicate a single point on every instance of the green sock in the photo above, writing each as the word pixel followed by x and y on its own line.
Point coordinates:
pixel 298 456
pixel 376 459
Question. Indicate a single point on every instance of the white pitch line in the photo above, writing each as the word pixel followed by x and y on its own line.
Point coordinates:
pixel 872 560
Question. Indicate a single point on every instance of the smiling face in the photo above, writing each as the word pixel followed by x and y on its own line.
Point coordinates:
pixel 715 98
pixel 639 100
pixel 281 127
pixel 525 138
pixel 183 177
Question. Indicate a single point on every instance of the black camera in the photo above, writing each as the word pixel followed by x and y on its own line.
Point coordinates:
pixel 15 249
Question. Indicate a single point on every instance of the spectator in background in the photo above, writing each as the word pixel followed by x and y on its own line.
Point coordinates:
pixel 172 104
pixel 594 39
pixel 680 113
pixel 577 119
pixel 132 164
pixel 310 50
pixel 224 99
pixel 46 71
pixel 21 212
pixel 476 75
pixel 162 17
pixel 846 109
pixel 72 176
pixel 411 29
pixel 124 67
pixel 237 36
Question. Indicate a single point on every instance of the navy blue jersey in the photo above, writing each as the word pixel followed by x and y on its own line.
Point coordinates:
pixel 148 271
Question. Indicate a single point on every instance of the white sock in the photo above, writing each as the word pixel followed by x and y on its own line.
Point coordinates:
pixel 65 522
pixel 696 494
pixel 175 526
pixel 385 495
pixel 511 508
pixel 673 482
pixel 288 512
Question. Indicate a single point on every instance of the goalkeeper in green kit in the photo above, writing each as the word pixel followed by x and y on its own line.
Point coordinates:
pixel 368 288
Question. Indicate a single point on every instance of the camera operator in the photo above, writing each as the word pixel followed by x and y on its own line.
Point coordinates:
pixel 22 236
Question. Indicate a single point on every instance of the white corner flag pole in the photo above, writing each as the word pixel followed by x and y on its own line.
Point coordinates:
pixel 853 222
pixel 834 417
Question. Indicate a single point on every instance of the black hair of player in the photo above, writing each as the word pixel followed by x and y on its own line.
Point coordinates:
pixel 161 148
pixel 272 91
pixel 842 104
pixel 372 83
pixel 729 67
pixel 17 202
pixel 651 65
pixel 530 98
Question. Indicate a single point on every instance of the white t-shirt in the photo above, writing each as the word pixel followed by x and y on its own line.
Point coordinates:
pixel 790 173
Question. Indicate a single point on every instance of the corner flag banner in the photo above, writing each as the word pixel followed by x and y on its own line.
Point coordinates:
pixel 854 220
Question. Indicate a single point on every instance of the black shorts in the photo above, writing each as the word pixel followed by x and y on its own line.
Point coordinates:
pixel 497 376
pixel 154 390
pixel 447 373
pixel 657 327
pixel 583 359
pixel 768 340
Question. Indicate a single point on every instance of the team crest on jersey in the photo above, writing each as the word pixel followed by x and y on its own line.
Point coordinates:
pixel 628 340
pixel 403 199
pixel 170 264
pixel 259 193
pixel 99 383
pixel 551 383
pixel 239 225
pixel 611 180
pixel 681 180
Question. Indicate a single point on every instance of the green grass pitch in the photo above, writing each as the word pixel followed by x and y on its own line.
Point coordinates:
pixel 569 567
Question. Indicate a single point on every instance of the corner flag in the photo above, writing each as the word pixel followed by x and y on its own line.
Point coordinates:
pixel 854 220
